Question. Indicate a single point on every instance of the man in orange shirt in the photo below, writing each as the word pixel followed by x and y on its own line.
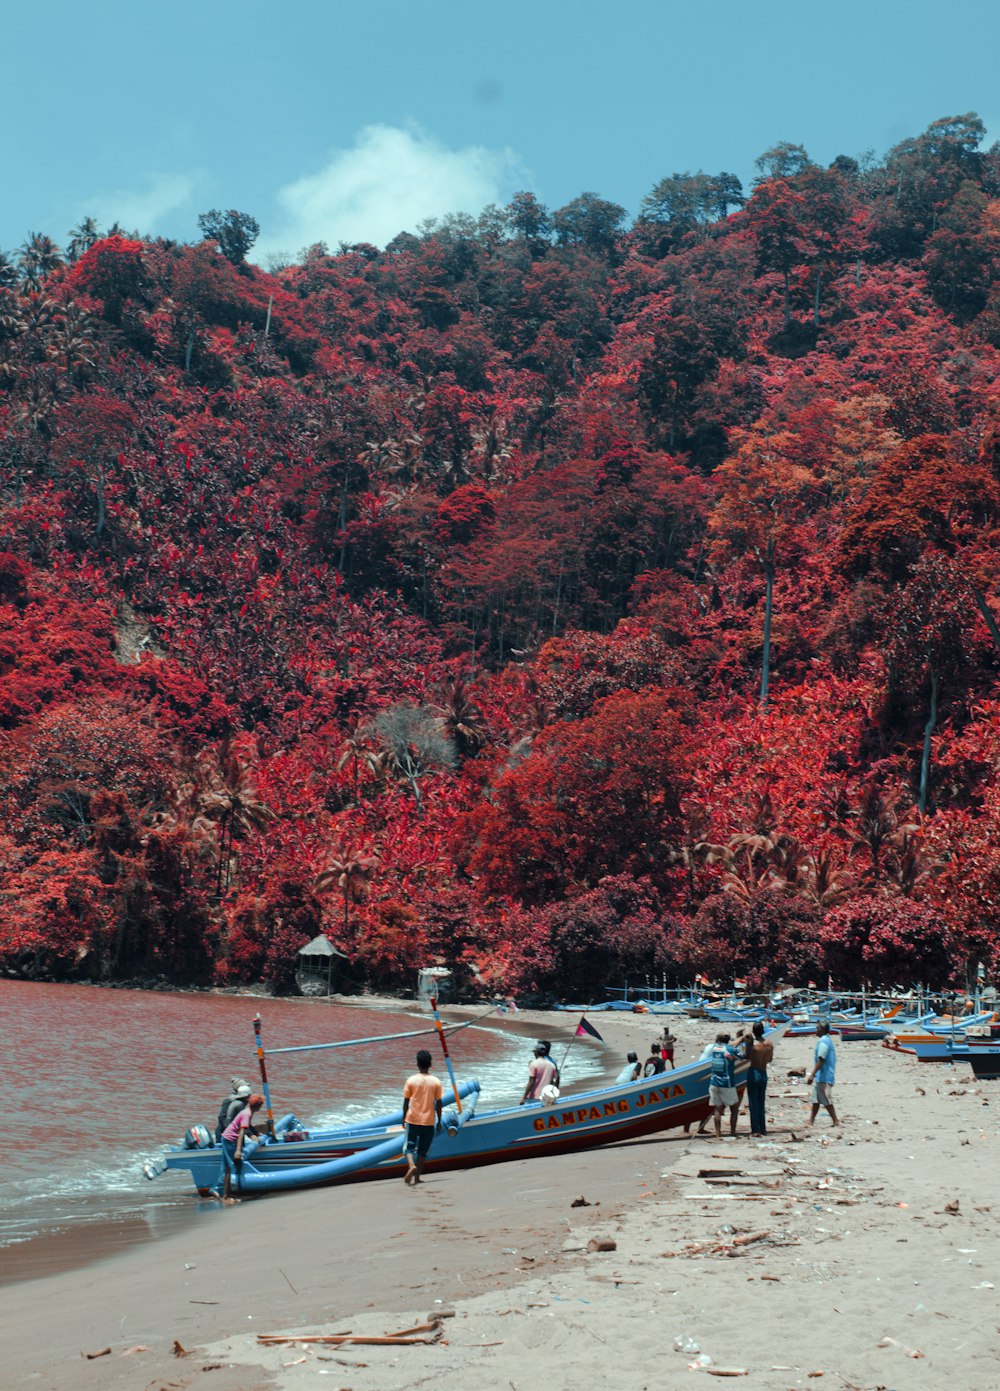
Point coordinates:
pixel 421 1115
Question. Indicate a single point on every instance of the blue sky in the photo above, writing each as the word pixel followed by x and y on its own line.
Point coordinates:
pixel 334 120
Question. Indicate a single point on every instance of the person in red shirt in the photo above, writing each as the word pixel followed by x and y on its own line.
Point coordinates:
pixel 422 1097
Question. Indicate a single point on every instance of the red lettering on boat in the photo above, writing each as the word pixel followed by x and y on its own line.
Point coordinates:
pixel 610 1108
pixel 553 1122
pixel 640 1100
pixel 623 1105
pixel 567 1118
pixel 538 1124
pixel 677 1090
pixel 581 1115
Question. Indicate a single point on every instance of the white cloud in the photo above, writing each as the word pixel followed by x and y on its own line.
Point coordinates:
pixel 144 211
pixel 389 181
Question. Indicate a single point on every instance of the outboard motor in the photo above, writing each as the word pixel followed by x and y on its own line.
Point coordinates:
pixel 197 1137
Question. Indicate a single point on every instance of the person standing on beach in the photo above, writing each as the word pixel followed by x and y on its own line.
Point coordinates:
pixel 544 1044
pixel 823 1075
pixel 542 1072
pixel 422 1098
pixel 667 1046
pixel 759 1055
pixel 722 1083
pixel 233 1138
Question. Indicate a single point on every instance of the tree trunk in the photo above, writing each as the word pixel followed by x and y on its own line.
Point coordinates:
pixel 101 513
pixel 765 672
pixel 987 614
pixel 925 760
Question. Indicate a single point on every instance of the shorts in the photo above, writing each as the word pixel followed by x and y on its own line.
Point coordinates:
pixel 723 1096
pixel 418 1140
pixel 822 1094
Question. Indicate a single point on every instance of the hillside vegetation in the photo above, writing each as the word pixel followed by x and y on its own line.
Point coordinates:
pixel 567 599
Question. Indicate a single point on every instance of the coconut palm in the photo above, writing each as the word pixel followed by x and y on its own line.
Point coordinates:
pixel 73 342
pixel 231 799
pixel 38 258
pixel 349 869
pixel 462 717
pixel 81 239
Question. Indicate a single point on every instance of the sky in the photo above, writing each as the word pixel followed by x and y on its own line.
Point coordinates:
pixel 333 120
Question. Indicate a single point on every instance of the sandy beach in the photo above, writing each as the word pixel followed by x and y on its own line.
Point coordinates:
pixel 863 1257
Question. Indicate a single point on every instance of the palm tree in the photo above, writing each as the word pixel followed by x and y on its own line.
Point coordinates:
pixel 81 239
pixel 231 798
pixel 348 869
pixel 358 751
pixel 39 257
pixel 462 717
pixel 878 823
pixel 73 341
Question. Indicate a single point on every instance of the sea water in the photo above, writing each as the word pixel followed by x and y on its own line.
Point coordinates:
pixel 99 1080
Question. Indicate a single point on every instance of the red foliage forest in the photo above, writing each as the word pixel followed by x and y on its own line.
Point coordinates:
pixel 543 595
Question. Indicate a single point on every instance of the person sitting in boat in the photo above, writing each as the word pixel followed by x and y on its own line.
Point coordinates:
pixel 542 1072
pixel 422 1099
pixel 233 1138
pixel 654 1063
pixel 232 1105
pixel 630 1072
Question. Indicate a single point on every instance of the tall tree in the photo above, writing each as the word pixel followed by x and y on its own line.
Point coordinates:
pixel 234 232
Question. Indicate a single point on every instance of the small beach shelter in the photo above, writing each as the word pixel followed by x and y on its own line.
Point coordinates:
pixel 434 982
pixel 314 971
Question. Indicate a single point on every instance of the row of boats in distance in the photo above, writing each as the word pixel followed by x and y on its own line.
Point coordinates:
pixel 292 1157
pixel 903 1023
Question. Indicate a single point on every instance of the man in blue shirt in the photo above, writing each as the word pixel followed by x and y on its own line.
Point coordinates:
pixel 823 1075
pixel 722 1083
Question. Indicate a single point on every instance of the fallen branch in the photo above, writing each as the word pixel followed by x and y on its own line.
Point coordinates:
pixel 406 1337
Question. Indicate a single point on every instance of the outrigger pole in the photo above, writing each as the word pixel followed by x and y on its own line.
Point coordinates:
pixel 263 1075
pixel 444 1048
pixel 377 1038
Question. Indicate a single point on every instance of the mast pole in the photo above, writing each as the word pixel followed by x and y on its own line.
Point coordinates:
pixel 263 1075
pixel 447 1056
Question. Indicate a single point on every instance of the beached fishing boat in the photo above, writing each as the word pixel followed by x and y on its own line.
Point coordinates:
pixel 295 1158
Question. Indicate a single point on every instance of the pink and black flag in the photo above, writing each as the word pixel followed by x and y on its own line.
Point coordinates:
pixel 583 1028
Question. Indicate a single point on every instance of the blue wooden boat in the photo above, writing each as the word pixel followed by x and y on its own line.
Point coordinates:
pixel 293 1158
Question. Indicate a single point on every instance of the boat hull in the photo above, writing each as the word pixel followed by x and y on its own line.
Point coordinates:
pixel 582 1121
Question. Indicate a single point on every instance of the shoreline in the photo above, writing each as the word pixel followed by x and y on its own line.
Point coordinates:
pixel 883 1234
pixel 88 1240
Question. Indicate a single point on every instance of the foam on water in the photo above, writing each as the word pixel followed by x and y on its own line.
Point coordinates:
pixel 99 1081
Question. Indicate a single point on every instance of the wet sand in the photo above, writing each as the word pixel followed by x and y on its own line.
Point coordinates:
pixel 830 1252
